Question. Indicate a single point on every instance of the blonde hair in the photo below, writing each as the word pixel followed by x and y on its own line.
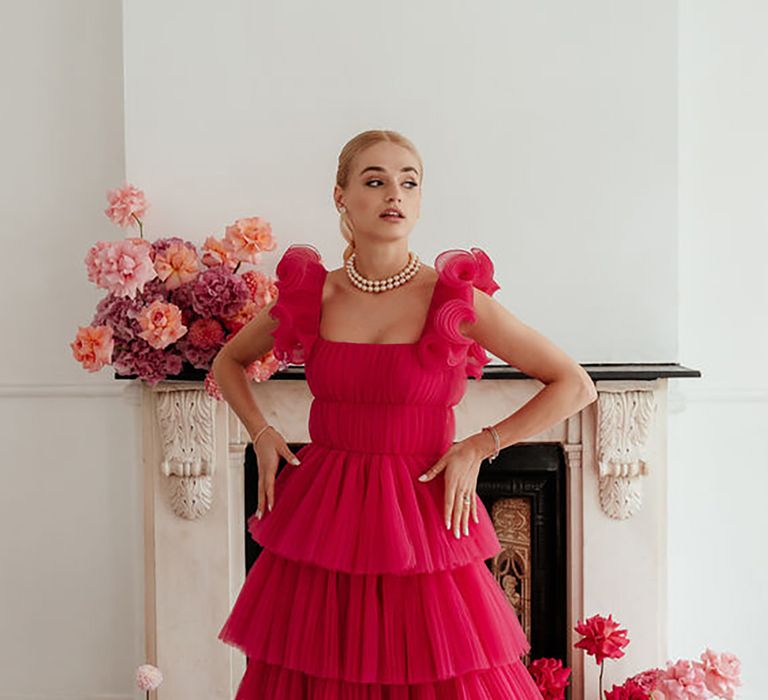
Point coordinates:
pixel 351 149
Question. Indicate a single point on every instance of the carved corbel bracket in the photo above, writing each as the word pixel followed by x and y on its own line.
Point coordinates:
pixel 624 418
pixel 186 421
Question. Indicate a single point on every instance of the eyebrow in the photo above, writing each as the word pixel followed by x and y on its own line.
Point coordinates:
pixel 380 169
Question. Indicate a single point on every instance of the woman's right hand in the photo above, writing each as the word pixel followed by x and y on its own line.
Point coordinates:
pixel 269 447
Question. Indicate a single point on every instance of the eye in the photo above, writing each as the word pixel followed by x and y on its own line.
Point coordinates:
pixel 408 182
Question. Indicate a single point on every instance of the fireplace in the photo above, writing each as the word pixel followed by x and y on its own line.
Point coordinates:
pixel 580 511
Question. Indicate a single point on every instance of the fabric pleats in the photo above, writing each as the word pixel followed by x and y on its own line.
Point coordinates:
pixel 360 591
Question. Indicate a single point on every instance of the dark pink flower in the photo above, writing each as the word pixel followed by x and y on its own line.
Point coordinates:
pixel 602 638
pixel 551 677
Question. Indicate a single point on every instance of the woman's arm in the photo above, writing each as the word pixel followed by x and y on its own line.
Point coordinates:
pixel 249 344
pixel 568 386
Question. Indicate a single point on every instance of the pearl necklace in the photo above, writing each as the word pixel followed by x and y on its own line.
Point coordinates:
pixel 382 285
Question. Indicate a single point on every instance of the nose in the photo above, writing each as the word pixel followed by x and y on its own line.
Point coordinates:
pixel 394 194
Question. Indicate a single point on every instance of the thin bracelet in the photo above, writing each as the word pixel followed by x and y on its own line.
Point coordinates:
pixel 258 435
pixel 496 442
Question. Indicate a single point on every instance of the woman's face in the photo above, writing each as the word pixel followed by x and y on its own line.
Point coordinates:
pixel 383 175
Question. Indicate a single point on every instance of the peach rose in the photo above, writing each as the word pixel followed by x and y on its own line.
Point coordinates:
pixel 93 346
pixel 176 265
pixel 161 324
pixel 248 237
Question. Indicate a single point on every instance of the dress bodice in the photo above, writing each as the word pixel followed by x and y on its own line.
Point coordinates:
pixel 383 397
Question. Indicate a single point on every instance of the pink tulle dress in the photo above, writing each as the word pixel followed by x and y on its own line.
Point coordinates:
pixel 360 592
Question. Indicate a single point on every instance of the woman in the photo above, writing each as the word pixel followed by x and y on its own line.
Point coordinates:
pixel 372 582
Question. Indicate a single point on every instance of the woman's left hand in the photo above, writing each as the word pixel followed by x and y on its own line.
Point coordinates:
pixel 461 463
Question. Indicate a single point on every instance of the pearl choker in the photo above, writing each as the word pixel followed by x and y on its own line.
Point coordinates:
pixel 382 285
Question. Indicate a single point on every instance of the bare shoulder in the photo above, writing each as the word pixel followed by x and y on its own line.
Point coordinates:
pixel 502 333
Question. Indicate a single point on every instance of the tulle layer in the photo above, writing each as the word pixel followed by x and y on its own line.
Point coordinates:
pixel 374 628
pixel 509 682
pixel 367 513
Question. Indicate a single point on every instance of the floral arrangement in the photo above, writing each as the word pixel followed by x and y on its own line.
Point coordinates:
pixel 714 676
pixel 169 306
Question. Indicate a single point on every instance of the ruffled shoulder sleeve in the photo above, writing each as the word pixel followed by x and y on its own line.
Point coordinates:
pixel 459 271
pixel 300 273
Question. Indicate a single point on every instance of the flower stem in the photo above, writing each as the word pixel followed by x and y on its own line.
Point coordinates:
pixel 602 668
pixel 141 226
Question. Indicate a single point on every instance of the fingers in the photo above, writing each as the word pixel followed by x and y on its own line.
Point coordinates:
pixel 465 516
pixel 433 471
pixel 457 511
pixel 289 456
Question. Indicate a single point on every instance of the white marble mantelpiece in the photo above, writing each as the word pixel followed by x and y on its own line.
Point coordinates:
pixel 195 564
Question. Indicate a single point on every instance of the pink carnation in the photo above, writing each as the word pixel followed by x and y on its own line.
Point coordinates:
pixel 148 677
pixel 721 673
pixel 683 680
pixel 647 680
pixel 176 265
pixel 121 267
pixel 126 204
pixel 93 346
pixel 248 237
pixel 161 324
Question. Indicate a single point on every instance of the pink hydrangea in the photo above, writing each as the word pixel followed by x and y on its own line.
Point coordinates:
pixel 218 292
pixel 138 358
pixel 126 205
pixel 120 312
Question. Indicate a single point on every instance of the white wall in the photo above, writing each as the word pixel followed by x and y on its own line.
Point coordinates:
pixel 718 560
pixel 71 582
pixel 550 133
